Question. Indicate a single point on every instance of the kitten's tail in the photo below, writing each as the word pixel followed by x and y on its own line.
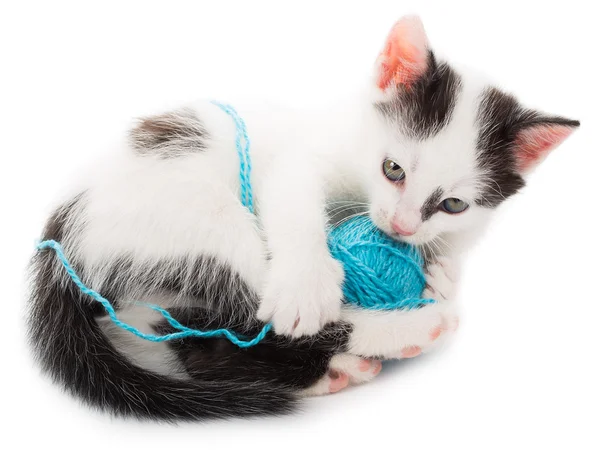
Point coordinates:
pixel 72 348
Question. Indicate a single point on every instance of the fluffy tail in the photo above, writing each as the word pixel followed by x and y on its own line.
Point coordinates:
pixel 72 348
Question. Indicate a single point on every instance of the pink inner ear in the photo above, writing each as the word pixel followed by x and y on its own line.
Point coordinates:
pixel 533 144
pixel 404 57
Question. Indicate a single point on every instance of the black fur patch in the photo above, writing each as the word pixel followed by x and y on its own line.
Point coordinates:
pixel 431 204
pixel 169 135
pixel 500 119
pixel 426 107
pixel 56 225
pixel 296 364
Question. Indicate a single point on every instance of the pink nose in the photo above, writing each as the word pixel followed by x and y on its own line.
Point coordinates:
pixel 400 230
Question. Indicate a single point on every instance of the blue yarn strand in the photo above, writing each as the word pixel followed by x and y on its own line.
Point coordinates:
pixel 243 151
pixel 184 331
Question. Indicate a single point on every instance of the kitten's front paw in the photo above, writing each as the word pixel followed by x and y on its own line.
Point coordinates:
pixel 400 333
pixel 300 297
pixel 429 329
pixel 441 277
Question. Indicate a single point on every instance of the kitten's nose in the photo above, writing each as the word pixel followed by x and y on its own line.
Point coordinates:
pixel 399 229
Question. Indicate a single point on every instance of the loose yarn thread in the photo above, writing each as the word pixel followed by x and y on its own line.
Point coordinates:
pixel 183 330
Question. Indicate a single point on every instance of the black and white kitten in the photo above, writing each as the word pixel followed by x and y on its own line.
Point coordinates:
pixel 426 151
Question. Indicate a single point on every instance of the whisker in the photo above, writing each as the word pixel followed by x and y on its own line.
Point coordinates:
pixel 343 220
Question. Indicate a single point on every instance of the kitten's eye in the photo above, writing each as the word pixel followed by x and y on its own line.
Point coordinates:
pixel 393 171
pixel 453 205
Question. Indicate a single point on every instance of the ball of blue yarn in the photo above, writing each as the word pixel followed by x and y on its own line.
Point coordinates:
pixel 380 273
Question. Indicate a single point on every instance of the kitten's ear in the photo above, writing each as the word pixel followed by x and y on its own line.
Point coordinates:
pixel 534 142
pixel 405 55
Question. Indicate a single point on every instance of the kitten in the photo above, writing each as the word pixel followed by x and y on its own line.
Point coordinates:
pixel 427 151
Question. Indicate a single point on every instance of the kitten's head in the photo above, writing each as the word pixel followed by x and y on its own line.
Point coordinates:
pixel 451 147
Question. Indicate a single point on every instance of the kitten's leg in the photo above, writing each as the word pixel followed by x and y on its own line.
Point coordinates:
pixel 303 287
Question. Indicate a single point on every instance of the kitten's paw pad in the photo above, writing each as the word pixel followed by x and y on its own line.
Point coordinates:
pixel 337 381
pixel 360 370
pixel 441 278
pixel 436 332
pixel 299 298
pixel 378 365
pixel 364 365
pixel 411 351
pixel 330 383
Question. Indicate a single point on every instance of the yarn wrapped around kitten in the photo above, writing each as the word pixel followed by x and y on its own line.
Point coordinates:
pixel 380 273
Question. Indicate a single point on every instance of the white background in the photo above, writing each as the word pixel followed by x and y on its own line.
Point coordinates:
pixel 520 379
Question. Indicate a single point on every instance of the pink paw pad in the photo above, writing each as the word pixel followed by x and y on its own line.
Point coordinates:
pixel 364 365
pixel 373 365
pixel 377 367
pixel 411 352
pixel 338 381
pixel 436 332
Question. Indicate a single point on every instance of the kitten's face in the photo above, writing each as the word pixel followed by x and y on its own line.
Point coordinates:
pixel 452 148
pixel 422 188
